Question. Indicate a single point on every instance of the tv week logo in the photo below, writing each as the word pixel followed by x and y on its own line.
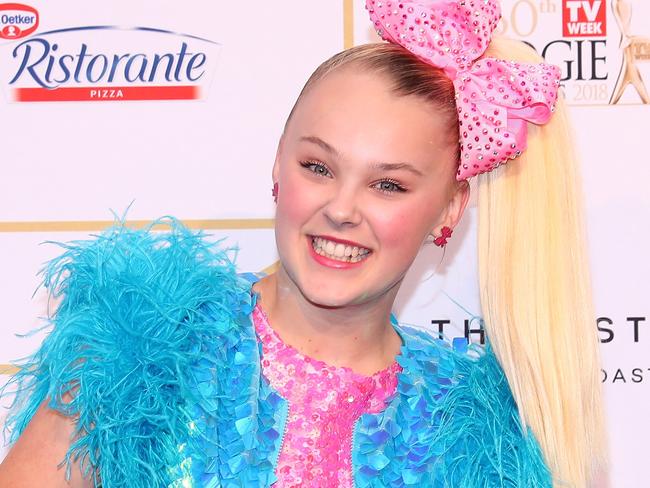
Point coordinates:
pixel 584 18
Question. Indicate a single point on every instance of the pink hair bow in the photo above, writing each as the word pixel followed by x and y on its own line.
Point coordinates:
pixel 494 98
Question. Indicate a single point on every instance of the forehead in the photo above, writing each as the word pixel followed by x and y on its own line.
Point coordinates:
pixel 357 112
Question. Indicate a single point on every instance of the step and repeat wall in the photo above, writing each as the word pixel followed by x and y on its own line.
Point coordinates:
pixel 176 108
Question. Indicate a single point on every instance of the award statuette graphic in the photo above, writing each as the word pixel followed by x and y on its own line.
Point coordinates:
pixel 635 48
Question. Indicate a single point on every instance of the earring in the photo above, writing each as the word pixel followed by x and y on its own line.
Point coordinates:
pixel 274 192
pixel 442 240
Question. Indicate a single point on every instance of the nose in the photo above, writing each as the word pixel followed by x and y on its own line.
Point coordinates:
pixel 342 209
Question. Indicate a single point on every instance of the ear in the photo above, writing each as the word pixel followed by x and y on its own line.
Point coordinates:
pixel 275 173
pixel 455 207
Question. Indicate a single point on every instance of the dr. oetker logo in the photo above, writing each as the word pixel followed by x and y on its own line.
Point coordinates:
pixel 17 20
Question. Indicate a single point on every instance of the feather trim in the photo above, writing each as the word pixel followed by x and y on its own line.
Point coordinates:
pixel 131 321
pixel 481 436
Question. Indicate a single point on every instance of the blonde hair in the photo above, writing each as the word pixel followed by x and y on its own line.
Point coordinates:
pixel 533 268
pixel 535 288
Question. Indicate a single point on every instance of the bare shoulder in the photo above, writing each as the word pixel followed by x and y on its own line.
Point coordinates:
pixel 35 458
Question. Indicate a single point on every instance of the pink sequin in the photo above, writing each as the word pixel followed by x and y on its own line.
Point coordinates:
pixel 324 403
pixel 495 98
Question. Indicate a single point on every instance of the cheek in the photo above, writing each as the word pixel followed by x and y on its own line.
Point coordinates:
pixel 296 202
pixel 403 228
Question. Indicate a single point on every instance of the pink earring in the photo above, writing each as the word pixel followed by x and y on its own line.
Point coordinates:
pixel 442 240
pixel 274 192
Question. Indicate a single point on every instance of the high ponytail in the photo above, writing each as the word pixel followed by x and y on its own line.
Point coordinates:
pixel 536 296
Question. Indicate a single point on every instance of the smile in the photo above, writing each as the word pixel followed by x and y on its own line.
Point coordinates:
pixel 339 251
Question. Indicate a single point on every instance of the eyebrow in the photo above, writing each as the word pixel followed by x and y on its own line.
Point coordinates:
pixel 321 143
pixel 382 166
pixel 396 166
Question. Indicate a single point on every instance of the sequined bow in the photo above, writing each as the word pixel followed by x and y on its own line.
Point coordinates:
pixel 494 98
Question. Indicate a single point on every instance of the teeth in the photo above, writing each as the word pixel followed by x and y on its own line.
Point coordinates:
pixel 339 251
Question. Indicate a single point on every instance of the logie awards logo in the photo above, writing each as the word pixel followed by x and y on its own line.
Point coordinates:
pixel 593 41
pixel 635 49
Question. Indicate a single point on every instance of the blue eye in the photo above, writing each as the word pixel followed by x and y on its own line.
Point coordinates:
pixel 316 167
pixel 389 186
pixel 386 186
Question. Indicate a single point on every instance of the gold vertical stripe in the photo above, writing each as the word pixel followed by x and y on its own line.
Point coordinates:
pixel 272 268
pixel 348 24
pixel 8 369
pixel 98 225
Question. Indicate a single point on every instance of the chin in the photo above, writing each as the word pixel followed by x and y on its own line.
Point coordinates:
pixel 330 292
pixel 325 295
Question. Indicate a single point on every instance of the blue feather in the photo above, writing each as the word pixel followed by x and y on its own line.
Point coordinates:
pixel 126 331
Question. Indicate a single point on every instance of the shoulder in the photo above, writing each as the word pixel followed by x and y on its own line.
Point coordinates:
pixel 165 272
pixel 477 423
pixel 164 253
pixel 440 361
pixel 135 309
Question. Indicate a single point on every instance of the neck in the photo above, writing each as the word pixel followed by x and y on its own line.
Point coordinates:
pixel 358 336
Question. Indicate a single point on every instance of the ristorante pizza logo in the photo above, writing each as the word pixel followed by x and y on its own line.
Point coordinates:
pixel 103 63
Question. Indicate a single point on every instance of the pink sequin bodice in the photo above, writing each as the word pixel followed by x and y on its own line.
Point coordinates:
pixel 324 403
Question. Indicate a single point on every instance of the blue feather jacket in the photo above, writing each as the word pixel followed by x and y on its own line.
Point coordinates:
pixel 153 340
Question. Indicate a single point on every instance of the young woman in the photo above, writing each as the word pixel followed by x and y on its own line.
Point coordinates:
pixel 167 368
